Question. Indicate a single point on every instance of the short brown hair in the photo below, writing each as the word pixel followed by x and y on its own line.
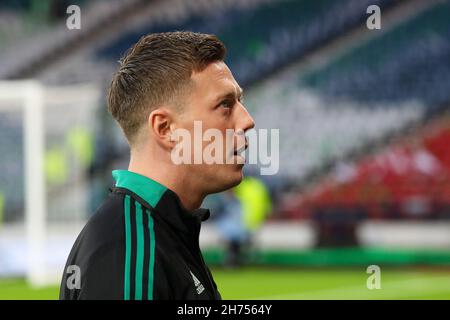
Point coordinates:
pixel 154 71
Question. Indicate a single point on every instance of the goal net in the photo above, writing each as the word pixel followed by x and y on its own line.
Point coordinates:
pixel 46 148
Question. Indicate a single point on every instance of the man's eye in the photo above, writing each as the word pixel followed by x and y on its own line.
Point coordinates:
pixel 226 104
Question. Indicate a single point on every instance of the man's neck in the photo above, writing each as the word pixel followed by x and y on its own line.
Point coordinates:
pixel 172 177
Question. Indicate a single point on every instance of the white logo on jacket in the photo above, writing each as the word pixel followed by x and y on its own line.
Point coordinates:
pixel 198 285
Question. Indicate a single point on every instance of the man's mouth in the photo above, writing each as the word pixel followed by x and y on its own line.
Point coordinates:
pixel 240 152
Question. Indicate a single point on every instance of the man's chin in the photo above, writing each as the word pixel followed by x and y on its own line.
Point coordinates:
pixel 236 181
pixel 230 180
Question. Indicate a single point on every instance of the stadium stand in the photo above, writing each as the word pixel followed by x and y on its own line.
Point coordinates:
pixel 280 32
pixel 43 39
pixel 382 70
pixel 408 179
pixel 328 113
pixel 363 118
pixel 356 100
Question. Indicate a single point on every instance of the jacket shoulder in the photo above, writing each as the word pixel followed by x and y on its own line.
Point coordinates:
pixel 98 255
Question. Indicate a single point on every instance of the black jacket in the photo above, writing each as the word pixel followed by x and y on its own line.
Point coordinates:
pixel 140 244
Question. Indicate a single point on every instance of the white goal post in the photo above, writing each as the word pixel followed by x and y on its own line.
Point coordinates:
pixel 56 124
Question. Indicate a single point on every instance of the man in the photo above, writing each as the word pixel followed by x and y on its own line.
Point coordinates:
pixel 142 243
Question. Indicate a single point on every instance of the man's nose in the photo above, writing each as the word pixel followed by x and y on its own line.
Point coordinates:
pixel 245 120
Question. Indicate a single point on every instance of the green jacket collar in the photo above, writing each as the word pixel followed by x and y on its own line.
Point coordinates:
pixel 146 188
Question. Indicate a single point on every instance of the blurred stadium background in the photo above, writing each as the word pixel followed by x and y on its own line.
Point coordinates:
pixel 364 125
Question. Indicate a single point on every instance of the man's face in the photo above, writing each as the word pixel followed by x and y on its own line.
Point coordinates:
pixel 215 101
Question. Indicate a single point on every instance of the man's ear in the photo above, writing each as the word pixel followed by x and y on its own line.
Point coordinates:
pixel 160 123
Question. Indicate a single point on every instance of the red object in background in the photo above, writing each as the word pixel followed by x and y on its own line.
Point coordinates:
pixel 439 145
pixel 407 180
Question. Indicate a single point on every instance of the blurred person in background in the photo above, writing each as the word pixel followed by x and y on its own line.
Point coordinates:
pixel 245 208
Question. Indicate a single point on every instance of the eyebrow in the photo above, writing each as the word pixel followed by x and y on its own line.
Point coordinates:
pixel 231 95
